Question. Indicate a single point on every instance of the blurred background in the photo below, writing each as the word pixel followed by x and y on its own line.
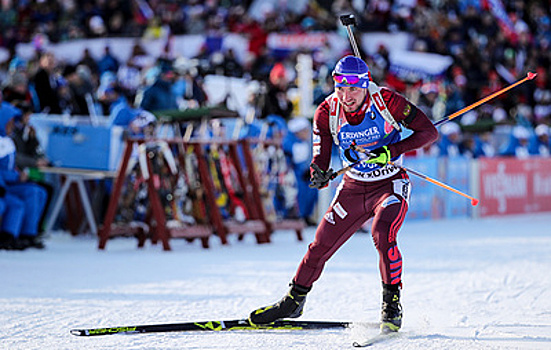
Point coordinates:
pixel 164 119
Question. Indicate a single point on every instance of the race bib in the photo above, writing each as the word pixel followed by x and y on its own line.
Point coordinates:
pixel 402 188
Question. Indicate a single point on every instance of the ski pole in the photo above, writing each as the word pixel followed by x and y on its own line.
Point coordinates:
pixel 344 170
pixel 529 76
pixel 348 21
pixel 474 201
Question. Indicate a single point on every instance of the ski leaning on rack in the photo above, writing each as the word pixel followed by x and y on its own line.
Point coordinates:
pixel 228 325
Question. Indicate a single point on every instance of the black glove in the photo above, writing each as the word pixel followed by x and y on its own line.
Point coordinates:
pixel 320 179
pixel 2 191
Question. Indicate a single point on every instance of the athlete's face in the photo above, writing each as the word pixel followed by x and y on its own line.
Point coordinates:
pixel 351 97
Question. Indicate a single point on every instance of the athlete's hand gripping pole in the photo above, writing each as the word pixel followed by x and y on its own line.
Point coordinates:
pixel 377 157
pixel 382 155
pixel 320 179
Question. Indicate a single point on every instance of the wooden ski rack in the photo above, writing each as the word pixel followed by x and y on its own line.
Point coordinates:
pixel 239 155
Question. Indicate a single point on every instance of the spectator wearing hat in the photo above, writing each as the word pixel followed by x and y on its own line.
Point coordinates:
pixel 430 101
pixel 541 144
pixel 297 146
pixel 518 144
pixel 143 125
pixel 159 96
pixel 276 101
pixel 449 143
pixel 16 87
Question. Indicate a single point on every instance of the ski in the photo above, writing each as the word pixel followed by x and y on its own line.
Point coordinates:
pixel 227 325
pixel 381 337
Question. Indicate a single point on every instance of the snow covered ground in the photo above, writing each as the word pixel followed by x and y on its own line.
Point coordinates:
pixel 468 284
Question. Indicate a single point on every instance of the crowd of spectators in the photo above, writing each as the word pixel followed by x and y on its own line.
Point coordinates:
pixel 491 47
pixel 488 54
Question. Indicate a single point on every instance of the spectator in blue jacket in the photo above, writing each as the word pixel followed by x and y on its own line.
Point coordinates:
pixel 12 211
pixel 541 144
pixel 22 227
pixel 108 62
pixel 116 103
pixel 518 144
pixel 11 208
pixel 7 111
pixel 29 156
pixel 297 146
pixel 450 140
pixel 160 96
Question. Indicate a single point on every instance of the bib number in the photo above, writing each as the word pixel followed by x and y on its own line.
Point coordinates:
pixel 402 187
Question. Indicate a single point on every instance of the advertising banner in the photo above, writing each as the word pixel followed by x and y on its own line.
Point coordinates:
pixel 514 186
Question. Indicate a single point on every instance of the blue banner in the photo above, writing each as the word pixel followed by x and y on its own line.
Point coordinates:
pixel 76 143
pixel 423 203
pixel 457 176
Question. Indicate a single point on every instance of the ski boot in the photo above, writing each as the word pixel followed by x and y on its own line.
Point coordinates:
pixel 290 306
pixel 391 314
pixel 9 242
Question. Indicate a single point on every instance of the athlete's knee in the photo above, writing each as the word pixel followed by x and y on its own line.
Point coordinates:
pixel 317 253
pixel 387 223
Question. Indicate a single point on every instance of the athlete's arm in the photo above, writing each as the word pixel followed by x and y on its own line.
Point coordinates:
pixel 322 138
pixel 404 111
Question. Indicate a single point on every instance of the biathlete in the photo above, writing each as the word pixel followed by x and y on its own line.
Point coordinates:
pixel 359 115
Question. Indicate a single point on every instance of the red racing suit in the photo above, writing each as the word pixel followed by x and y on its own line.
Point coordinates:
pixel 366 191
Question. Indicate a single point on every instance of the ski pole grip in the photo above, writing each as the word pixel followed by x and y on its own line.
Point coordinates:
pixel 348 20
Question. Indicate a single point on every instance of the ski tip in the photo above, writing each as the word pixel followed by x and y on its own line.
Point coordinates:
pixel 77 332
pixel 379 338
pixel 531 75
